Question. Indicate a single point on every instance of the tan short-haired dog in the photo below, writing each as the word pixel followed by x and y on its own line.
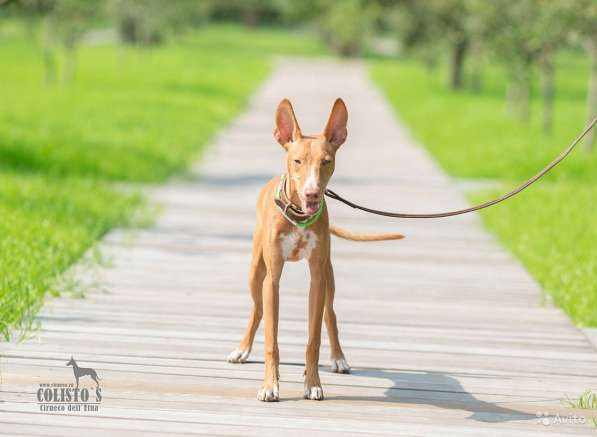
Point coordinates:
pixel 292 224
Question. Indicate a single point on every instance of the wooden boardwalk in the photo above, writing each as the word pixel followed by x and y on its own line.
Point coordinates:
pixel 445 331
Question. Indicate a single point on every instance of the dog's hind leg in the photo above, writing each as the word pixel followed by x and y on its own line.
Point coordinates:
pixel 339 363
pixel 256 277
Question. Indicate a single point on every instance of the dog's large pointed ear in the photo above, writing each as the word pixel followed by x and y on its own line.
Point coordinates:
pixel 287 129
pixel 335 130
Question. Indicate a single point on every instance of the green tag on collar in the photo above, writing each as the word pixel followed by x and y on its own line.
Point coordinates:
pixel 312 219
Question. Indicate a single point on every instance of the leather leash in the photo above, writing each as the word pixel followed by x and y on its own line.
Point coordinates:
pixel 483 205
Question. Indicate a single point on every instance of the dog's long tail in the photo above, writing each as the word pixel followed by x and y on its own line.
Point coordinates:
pixel 347 235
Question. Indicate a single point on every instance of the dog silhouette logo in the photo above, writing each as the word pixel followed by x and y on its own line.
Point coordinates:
pixel 83 371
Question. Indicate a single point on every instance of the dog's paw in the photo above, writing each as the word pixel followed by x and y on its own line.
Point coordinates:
pixel 238 356
pixel 314 393
pixel 340 366
pixel 269 394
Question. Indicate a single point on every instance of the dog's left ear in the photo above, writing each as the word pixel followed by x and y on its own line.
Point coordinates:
pixel 335 130
pixel 287 129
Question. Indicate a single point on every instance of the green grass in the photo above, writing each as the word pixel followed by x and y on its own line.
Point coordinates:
pixel 552 227
pixel 132 115
pixel 586 401
pixel 46 225
pixel 473 135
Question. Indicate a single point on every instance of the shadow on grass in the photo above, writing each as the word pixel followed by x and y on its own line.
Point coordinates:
pixel 148 165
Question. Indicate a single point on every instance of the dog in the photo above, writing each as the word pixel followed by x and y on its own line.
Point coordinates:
pixel 82 371
pixel 293 224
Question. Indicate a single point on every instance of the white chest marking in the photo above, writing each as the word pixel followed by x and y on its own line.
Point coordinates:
pixel 298 245
pixel 289 243
pixel 310 244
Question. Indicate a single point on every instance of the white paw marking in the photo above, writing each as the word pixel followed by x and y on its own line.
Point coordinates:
pixel 340 366
pixel 238 356
pixel 269 394
pixel 314 393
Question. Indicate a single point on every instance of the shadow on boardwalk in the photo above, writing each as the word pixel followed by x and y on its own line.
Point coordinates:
pixel 449 395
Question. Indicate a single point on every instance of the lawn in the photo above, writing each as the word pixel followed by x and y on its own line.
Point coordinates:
pixel 132 115
pixel 551 227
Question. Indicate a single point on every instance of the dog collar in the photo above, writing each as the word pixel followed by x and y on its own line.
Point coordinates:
pixel 291 212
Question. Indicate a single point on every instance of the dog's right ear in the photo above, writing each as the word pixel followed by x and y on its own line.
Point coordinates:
pixel 335 129
pixel 287 129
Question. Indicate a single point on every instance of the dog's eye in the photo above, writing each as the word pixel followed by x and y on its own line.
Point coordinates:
pixel 297 161
pixel 325 162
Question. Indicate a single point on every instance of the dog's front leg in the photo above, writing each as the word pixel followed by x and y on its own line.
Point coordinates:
pixel 270 391
pixel 313 388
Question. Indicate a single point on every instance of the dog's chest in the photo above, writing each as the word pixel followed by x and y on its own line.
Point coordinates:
pixel 298 245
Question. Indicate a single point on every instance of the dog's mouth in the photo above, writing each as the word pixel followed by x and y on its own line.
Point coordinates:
pixel 311 207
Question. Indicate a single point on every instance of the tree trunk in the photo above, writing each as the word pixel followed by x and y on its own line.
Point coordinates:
pixel 547 88
pixel 476 75
pixel 128 28
pixel 519 97
pixel 70 65
pixel 70 57
pixel 525 99
pixel 520 88
pixel 250 15
pixel 48 52
pixel 457 63
pixel 592 93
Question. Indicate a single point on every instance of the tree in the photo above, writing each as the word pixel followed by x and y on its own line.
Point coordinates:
pixel 304 11
pixel 146 22
pixel 138 21
pixel 252 11
pixel 36 13
pixel 69 20
pixel 550 29
pixel 63 23
pixel 434 25
pixel 591 44
pixel 508 30
pixel 345 25
pixel 417 31
pixel 249 12
pixel 584 17
pixel 451 18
